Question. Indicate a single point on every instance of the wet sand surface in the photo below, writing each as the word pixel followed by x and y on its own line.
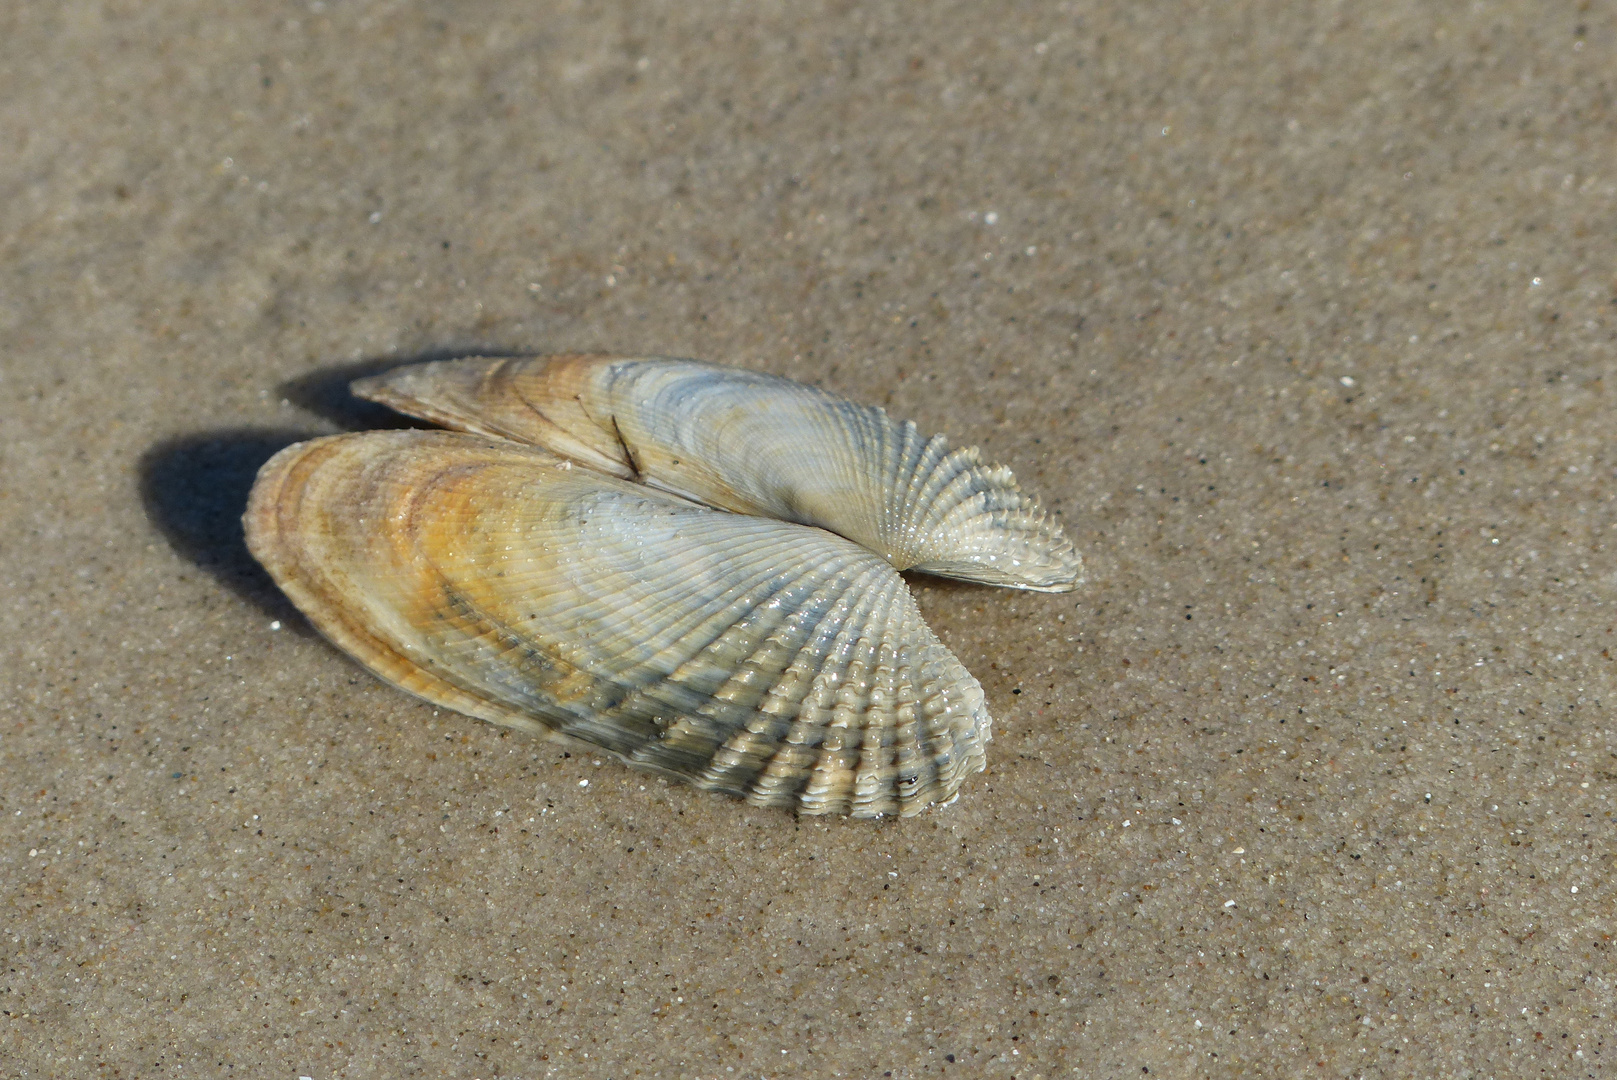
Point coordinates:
pixel 1301 316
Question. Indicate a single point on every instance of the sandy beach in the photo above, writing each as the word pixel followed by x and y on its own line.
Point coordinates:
pixel 1303 318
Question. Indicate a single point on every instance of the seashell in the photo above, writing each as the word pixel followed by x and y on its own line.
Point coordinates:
pixel 779 663
pixel 757 444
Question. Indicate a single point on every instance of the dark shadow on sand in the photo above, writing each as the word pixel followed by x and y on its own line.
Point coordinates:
pixel 195 487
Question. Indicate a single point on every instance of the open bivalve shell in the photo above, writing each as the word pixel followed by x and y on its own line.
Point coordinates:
pixel 755 444
pixel 691 567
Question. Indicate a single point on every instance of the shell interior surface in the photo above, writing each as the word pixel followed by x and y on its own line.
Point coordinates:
pixel 781 664
pixel 756 444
